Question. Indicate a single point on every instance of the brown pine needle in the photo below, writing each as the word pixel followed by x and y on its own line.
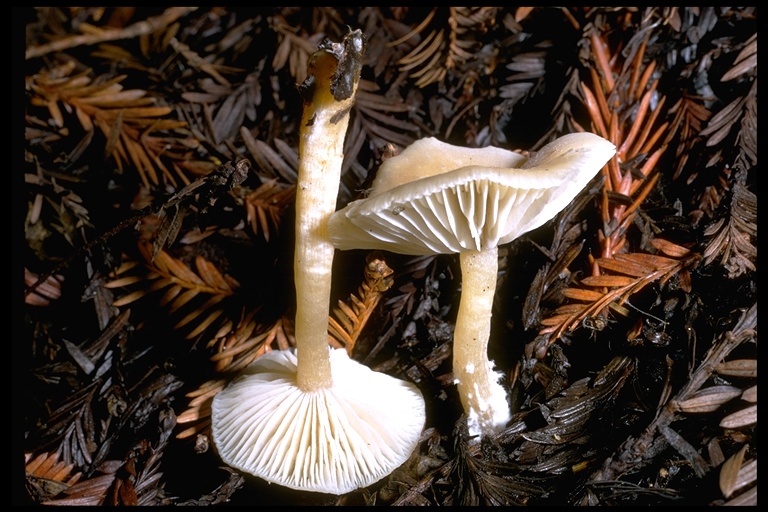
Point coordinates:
pixel 642 140
pixel 637 124
pixel 607 281
pixel 600 51
pixel 626 217
pixel 349 320
pixel 416 30
pixel 647 74
pixel 636 271
pixel 636 67
pixel 602 103
pixel 652 141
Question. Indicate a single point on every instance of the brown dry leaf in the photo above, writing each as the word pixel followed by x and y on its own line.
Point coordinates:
pixel 690 115
pixel 237 348
pixel 294 48
pixel 746 499
pixel 198 62
pixel 650 261
pixel 622 81
pixel 265 206
pixel 381 118
pixel 745 62
pixel 750 394
pixel 709 399
pixel 282 163
pixel 198 410
pixel 203 289
pixel 731 240
pixel 569 309
pixel 741 418
pixel 522 12
pixel 557 320
pixel 721 124
pixel 747 475
pixel 127 118
pixel 630 268
pixel 348 321
pixel 441 50
pixel 212 276
pixel 738 368
pixel 92 34
pixel 47 466
pixel 90 492
pixel 608 280
pixel 686 449
pixel 669 248
pixel 729 473
pixel 49 290
pixel 643 269
pixel 583 295
pixel 204 315
pixel 226 108
pixel 529 69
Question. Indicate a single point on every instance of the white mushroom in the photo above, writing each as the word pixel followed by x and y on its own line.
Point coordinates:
pixel 333 439
pixel 313 419
pixel 435 198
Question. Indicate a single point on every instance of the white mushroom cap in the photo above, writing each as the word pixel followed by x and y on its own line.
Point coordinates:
pixel 331 440
pixel 435 198
pixel 429 157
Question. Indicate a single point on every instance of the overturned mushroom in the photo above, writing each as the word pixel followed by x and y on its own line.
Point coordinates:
pixel 333 439
pixel 314 419
pixel 435 198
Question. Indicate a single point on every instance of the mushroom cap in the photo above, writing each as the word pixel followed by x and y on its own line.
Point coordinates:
pixel 429 157
pixel 331 440
pixel 435 198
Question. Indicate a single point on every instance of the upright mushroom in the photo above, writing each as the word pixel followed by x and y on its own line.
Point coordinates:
pixel 314 419
pixel 435 198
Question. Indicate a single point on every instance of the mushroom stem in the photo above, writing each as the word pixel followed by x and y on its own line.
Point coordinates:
pixel 329 93
pixel 483 397
pixel 312 418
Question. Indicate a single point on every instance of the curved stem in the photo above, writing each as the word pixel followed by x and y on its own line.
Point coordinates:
pixel 483 397
pixel 328 100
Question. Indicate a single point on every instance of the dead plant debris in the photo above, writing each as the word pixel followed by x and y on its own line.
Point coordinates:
pixel 160 163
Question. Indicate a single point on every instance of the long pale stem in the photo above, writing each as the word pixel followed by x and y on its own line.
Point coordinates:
pixel 329 91
pixel 483 398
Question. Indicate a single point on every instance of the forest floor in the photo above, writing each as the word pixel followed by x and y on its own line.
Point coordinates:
pixel 625 329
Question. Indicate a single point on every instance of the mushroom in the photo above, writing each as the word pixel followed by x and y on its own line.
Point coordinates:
pixel 333 439
pixel 436 198
pixel 312 418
